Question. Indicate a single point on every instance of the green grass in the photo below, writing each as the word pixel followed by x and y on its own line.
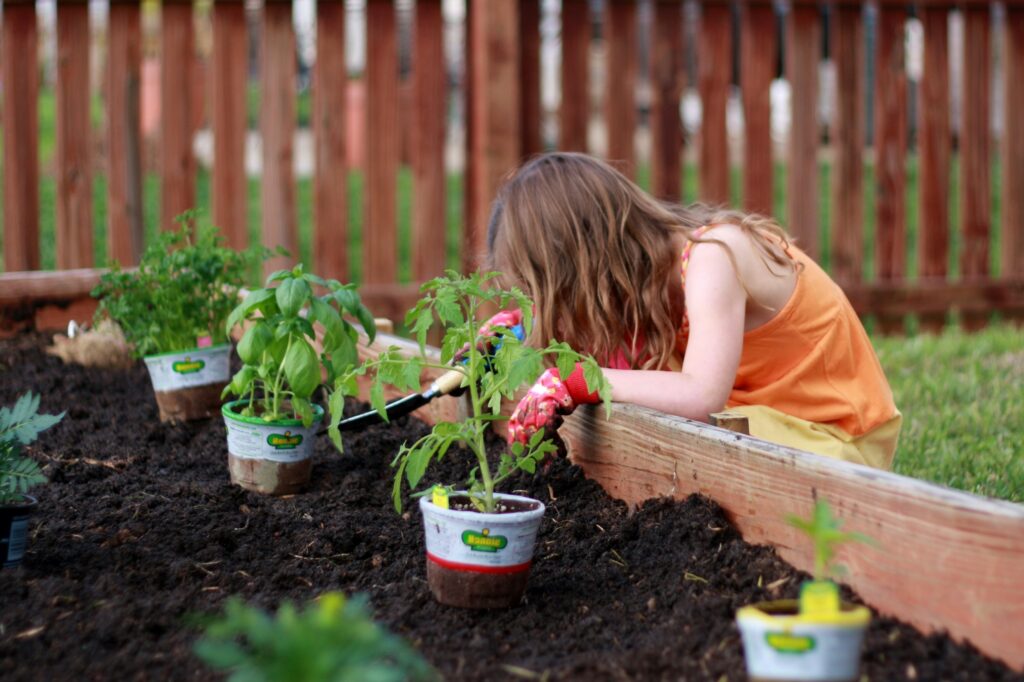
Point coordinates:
pixel 963 408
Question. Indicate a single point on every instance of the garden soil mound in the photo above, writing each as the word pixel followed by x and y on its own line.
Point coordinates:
pixel 139 528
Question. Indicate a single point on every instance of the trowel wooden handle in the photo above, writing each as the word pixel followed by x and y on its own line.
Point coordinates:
pixel 448 382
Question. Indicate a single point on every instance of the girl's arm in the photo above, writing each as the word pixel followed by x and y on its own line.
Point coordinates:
pixel 716 305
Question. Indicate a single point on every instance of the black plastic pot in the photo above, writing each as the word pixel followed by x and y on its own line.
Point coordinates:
pixel 14 530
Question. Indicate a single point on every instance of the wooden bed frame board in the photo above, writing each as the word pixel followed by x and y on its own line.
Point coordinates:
pixel 946 560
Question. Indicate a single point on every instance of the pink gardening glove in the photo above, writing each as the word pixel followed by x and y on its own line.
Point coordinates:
pixel 505 318
pixel 549 398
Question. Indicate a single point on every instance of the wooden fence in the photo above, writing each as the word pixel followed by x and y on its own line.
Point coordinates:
pixel 502 95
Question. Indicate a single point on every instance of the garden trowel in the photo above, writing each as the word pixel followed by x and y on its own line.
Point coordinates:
pixel 443 385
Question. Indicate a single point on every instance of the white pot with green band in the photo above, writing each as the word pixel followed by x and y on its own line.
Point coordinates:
pixel 188 384
pixel 269 457
pixel 478 560
pixel 780 643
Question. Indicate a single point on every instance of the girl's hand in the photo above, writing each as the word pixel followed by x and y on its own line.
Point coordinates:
pixel 509 319
pixel 549 398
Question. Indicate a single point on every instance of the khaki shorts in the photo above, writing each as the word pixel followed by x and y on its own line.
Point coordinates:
pixel 876 448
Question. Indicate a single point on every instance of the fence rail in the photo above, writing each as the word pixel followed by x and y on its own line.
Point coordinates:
pixel 644 52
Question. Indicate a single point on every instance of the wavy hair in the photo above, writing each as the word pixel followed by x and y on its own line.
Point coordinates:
pixel 597 255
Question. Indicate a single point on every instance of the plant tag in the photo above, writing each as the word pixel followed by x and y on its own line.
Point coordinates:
pixel 819 598
pixel 204 342
pixel 440 497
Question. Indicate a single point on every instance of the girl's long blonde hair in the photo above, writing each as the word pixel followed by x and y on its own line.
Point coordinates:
pixel 596 254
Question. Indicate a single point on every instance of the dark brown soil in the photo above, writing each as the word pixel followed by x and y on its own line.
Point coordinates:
pixel 140 527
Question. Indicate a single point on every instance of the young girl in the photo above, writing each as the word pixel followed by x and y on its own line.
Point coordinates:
pixel 738 316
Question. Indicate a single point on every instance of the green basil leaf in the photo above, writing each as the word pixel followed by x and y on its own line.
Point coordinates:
pixel 301 369
pixel 326 314
pixel 292 295
pixel 252 300
pixel 254 342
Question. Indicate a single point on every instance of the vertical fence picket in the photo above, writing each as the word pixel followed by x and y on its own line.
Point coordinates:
pixel 1013 148
pixel 666 82
pixel 177 163
pixel 20 136
pixel 380 218
pixel 975 138
pixel 620 93
pixel 495 106
pixel 803 43
pixel 714 60
pixel 847 46
pixel 124 137
pixel 74 172
pixel 470 173
pixel 530 107
pixel 277 127
pixel 890 96
pixel 428 218
pixel 329 123
pixel 230 121
pixel 573 112
pixel 757 69
pixel 934 152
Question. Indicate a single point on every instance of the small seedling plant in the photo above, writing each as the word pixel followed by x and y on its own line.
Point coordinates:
pixel 331 640
pixel 824 531
pixel 493 368
pixel 282 367
pixel 19 426
pixel 183 290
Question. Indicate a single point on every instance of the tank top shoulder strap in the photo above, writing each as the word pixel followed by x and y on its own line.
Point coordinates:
pixel 684 256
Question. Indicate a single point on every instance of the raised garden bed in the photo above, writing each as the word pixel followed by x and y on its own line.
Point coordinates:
pixel 140 527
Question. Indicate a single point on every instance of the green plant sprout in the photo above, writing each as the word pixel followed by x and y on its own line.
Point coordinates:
pixel 20 426
pixel 282 369
pixel 184 288
pixel 331 640
pixel 824 531
pixel 493 369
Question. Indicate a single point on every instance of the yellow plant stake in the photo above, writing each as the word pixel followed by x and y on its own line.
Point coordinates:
pixel 440 497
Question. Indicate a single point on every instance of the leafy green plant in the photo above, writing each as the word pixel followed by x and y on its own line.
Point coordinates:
pixel 824 531
pixel 20 426
pixel 282 369
pixel 493 370
pixel 184 288
pixel 331 640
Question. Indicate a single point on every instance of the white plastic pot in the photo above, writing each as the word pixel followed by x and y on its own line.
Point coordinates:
pixel 269 457
pixel 781 644
pixel 478 560
pixel 188 385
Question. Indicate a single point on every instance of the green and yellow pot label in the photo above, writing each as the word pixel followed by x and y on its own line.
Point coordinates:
pixel 285 441
pixel 484 541
pixel 191 368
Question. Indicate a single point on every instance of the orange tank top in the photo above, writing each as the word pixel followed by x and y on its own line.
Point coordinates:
pixel 813 360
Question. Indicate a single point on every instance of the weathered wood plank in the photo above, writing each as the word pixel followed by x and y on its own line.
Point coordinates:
pixel 124 137
pixel 230 121
pixel 1013 145
pixel 975 161
pixel 177 89
pixel 973 296
pixel 530 106
pixel 380 225
pixel 848 140
pixel 803 43
pixel 934 152
pixel 20 137
pixel 620 92
pixel 574 109
pixel 714 63
pixel 277 125
pixel 890 149
pixel 470 174
pixel 757 64
pixel 666 79
pixel 74 172
pixel 494 41
pixel 930 537
pixel 330 235
pixel 429 186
